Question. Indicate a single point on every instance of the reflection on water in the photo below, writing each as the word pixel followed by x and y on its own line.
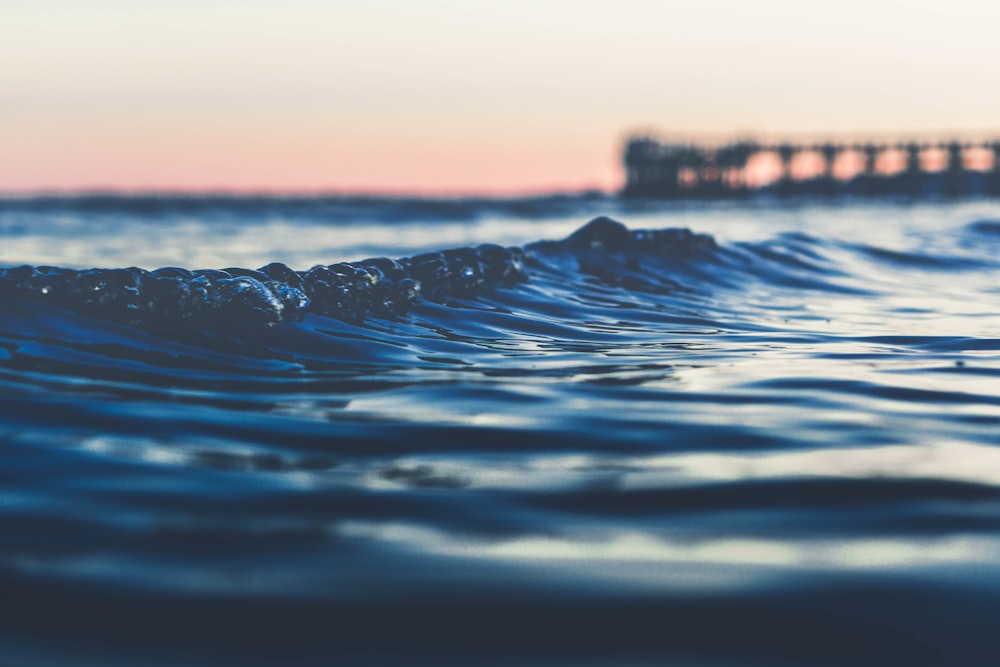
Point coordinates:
pixel 745 560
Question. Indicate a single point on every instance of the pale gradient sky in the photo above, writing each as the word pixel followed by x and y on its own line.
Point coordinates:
pixel 448 96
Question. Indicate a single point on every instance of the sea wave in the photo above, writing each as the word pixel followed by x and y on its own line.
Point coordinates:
pixel 176 300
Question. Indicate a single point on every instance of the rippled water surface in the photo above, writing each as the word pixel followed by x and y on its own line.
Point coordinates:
pixel 732 434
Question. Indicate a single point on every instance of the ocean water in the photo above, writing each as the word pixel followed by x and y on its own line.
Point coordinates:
pixel 752 433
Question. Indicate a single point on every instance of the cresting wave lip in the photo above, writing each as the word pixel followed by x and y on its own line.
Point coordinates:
pixel 179 301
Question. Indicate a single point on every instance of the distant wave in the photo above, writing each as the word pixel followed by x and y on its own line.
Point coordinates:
pixel 342 208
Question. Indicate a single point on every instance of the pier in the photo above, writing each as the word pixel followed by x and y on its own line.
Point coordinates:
pixel 687 170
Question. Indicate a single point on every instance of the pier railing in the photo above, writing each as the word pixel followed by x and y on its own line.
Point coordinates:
pixel 680 170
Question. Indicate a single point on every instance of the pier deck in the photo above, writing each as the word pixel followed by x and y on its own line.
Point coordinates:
pixel 687 170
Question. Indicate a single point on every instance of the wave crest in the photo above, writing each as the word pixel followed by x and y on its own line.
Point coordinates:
pixel 174 300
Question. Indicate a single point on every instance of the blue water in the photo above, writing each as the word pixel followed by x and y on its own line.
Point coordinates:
pixel 701 434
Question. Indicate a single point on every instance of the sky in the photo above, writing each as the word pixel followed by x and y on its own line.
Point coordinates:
pixel 460 97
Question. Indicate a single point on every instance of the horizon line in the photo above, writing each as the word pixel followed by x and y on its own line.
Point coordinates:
pixel 305 193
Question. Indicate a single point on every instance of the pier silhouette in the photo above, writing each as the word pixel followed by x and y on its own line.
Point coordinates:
pixel 688 170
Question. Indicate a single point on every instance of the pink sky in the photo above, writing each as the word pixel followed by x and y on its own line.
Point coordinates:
pixel 168 157
pixel 445 96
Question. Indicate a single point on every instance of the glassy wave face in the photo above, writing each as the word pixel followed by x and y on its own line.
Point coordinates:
pixel 714 435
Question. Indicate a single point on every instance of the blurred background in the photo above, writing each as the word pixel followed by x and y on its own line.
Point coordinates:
pixel 447 97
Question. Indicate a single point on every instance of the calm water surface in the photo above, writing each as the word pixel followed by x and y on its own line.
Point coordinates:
pixel 773 439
